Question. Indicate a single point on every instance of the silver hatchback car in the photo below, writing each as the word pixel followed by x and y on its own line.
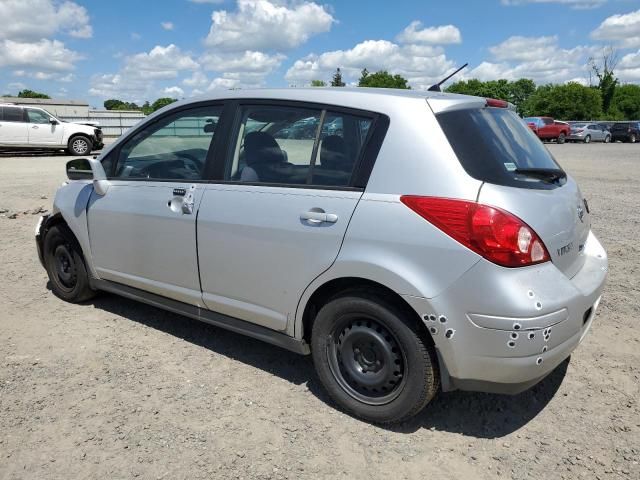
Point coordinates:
pixel 429 241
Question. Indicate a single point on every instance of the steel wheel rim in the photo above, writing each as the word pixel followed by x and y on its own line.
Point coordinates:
pixel 366 360
pixel 65 269
pixel 80 146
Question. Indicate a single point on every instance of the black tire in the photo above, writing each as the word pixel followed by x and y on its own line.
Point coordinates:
pixel 562 138
pixel 587 139
pixel 65 265
pixel 79 145
pixel 372 359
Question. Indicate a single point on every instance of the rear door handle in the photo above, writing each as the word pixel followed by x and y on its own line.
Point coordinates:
pixel 319 217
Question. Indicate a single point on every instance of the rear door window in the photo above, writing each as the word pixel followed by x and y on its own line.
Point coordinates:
pixel 12 114
pixel 289 145
pixel 493 143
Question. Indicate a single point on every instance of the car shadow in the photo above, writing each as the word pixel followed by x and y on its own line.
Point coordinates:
pixel 472 414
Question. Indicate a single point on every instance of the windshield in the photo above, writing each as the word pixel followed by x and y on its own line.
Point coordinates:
pixel 494 144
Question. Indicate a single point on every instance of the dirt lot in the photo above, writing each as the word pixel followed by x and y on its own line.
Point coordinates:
pixel 115 389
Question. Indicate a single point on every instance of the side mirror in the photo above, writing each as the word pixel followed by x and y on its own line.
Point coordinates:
pixel 88 169
pixel 53 121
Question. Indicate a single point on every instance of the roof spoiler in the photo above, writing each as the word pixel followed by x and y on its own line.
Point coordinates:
pixel 436 87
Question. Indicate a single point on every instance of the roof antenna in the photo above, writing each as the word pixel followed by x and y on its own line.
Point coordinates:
pixel 436 87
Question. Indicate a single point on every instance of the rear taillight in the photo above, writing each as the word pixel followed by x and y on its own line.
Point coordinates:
pixel 498 236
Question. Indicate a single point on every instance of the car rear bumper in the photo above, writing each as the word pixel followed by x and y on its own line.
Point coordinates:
pixel 503 330
pixel 579 138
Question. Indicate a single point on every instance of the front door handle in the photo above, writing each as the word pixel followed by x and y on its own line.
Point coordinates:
pixel 35 126
pixel 318 216
pixel 183 200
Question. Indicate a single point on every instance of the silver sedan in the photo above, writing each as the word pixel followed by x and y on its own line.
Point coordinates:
pixel 589 132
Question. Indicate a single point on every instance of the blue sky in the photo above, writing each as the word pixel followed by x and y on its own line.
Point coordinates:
pixel 135 50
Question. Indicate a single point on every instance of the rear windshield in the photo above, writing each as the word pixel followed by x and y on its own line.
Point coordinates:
pixel 620 126
pixel 492 143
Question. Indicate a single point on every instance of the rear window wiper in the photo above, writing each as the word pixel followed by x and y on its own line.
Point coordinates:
pixel 550 175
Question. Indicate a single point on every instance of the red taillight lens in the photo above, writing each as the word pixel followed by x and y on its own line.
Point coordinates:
pixel 498 236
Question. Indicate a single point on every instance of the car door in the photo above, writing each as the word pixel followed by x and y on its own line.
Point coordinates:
pixel 546 128
pixel 143 230
pixel 41 130
pixel 13 129
pixel 277 217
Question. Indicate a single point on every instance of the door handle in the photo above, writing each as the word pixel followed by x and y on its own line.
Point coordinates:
pixel 35 126
pixel 318 216
pixel 183 200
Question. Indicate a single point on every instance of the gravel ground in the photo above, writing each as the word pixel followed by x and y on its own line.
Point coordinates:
pixel 116 389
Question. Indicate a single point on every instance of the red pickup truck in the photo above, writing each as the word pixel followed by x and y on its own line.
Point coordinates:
pixel 547 128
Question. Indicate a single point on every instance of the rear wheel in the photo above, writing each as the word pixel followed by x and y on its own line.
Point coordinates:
pixel 607 139
pixel 372 360
pixel 562 138
pixel 79 145
pixel 632 138
pixel 587 139
pixel 65 265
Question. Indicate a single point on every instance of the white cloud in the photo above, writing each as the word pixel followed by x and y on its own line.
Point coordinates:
pixel 422 66
pixel 267 25
pixel 17 86
pixel 442 35
pixel 136 80
pixel 525 48
pixel 159 63
pixel 629 67
pixel 623 29
pixel 539 58
pixel 49 55
pixel 31 20
pixel 167 25
pixel 248 61
pixel 574 4
pixel 197 80
pixel 173 92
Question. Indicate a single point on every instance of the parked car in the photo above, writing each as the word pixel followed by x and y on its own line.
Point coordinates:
pixel 546 128
pixel 589 132
pixel 414 252
pixel 23 127
pixel 625 132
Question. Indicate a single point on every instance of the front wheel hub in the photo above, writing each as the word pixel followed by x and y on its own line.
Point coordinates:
pixel 367 361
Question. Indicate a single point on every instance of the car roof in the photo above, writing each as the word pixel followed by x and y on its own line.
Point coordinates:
pixel 372 99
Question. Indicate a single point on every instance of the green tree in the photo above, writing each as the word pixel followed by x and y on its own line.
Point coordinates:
pixel 569 102
pixel 607 81
pixel 519 93
pixel 115 104
pixel 318 83
pixel 382 79
pixel 162 102
pixel 337 79
pixel 626 103
pixel 31 94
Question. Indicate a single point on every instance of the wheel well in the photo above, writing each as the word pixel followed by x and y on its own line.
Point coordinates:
pixel 338 286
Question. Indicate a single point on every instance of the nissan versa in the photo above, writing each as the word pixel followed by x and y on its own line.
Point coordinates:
pixel 409 241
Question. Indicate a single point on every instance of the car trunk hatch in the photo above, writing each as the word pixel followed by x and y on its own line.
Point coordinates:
pixel 558 216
